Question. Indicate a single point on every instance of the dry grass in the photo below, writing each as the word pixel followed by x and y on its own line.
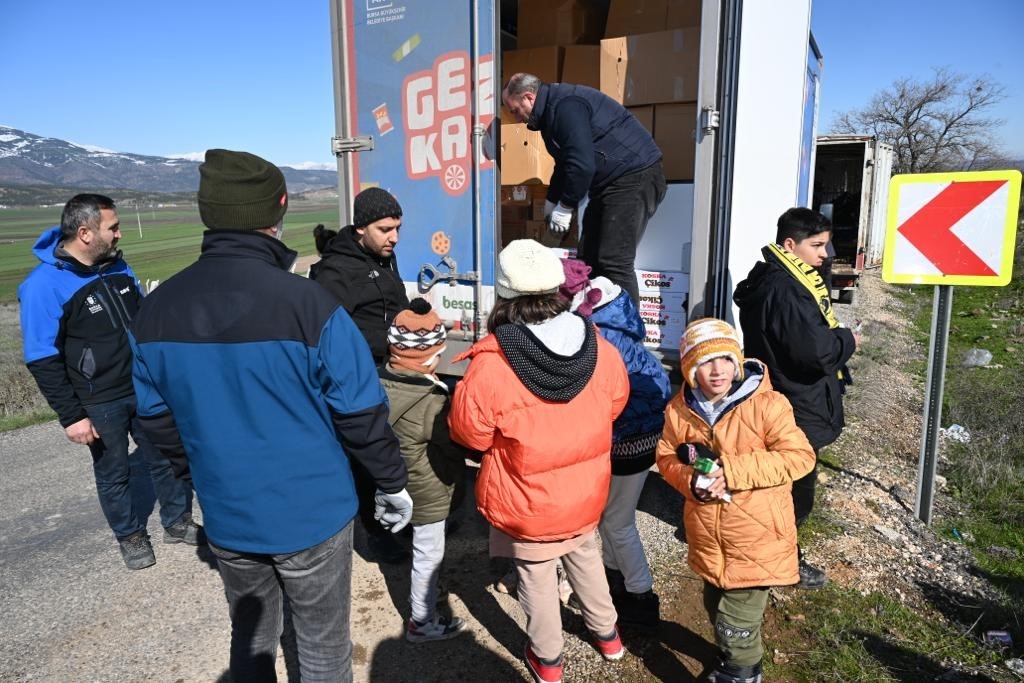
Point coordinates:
pixel 20 400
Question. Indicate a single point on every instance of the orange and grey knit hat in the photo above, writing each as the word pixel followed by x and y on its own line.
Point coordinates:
pixel 416 338
pixel 706 339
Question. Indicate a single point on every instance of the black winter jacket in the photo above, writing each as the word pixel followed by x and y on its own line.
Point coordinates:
pixel 593 139
pixel 783 327
pixel 369 287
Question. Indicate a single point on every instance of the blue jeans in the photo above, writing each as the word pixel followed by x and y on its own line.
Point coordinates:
pixel 614 222
pixel 113 421
pixel 318 583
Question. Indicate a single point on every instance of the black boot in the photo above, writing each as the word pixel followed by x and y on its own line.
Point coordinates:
pixel 616 581
pixel 731 673
pixel 810 576
pixel 638 611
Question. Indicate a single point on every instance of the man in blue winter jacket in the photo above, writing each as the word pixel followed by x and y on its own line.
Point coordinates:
pixel 75 309
pixel 605 160
pixel 256 384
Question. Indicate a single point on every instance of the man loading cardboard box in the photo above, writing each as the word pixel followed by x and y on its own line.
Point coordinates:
pixel 601 150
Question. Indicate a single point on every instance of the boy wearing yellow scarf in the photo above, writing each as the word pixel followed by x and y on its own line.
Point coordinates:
pixel 787 321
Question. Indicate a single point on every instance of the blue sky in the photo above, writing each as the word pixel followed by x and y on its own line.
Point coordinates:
pixel 868 44
pixel 172 78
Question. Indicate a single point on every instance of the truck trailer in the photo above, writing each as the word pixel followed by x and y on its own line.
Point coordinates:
pixel 418 108
pixel 851 187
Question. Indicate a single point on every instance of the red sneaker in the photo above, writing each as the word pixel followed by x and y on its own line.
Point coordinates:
pixel 543 673
pixel 610 649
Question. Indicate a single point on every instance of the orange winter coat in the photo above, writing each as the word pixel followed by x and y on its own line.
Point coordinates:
pixel 750 541
pixel 546 466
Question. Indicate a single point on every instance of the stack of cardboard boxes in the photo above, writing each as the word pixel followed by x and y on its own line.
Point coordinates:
pixel 557 41
pixel 648 61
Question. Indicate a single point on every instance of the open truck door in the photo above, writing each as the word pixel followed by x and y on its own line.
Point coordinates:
pixel 415 93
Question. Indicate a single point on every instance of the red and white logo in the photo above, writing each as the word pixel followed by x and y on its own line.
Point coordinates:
pixel 437 119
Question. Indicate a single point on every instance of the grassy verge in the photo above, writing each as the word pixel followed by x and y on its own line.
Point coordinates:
pixel 837 634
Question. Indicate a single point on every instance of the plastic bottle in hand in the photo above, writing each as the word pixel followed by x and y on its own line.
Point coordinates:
pixel 707 466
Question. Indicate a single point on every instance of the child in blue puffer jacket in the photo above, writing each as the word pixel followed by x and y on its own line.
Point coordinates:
pixel 635 436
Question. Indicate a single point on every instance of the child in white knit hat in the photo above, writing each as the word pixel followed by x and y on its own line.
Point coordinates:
pixel 740 528
pixel 419 416
pixel 538 400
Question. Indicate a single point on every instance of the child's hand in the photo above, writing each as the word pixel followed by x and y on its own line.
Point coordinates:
pixel 713 491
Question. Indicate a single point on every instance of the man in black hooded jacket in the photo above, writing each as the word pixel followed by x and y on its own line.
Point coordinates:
pixel 788 323
pixel 359 267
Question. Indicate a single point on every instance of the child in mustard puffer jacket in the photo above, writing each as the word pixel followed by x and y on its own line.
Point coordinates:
pixel 739 521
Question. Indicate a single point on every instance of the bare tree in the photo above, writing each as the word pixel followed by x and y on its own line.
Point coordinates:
pixel 935 125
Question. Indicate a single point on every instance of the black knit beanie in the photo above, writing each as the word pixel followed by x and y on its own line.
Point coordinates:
pixel 372 204
pixel 240 191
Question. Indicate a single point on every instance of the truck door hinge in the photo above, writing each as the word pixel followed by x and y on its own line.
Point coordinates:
pixel 361 143
pixel 710 120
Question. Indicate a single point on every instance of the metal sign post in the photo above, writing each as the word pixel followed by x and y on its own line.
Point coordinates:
pixel 941 309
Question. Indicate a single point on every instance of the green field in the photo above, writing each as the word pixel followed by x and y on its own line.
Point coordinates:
pixel 168 241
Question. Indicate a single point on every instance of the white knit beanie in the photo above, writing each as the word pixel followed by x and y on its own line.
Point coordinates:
pixel 527 267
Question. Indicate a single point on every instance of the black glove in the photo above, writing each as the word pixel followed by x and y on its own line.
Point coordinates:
pixel 689 452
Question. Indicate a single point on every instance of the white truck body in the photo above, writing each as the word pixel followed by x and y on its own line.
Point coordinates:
pixel 758 89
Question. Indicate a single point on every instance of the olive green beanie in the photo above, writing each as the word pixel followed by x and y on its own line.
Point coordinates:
pixel 240 191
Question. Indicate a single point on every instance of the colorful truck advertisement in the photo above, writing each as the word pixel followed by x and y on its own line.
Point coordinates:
pixel 410 87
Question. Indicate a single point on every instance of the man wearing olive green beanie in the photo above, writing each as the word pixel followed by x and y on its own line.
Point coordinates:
pixel 249 379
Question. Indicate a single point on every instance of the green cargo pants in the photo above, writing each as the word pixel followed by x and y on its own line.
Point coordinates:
pixel 737 616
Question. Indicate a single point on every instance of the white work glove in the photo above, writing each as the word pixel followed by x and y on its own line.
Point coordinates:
pixel 392 510
pixel 549 206
pixel 560 218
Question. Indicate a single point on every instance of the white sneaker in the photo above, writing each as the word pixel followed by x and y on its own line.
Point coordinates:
pixel 441 628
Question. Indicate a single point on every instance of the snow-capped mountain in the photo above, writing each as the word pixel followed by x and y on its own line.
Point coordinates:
pixel 27 159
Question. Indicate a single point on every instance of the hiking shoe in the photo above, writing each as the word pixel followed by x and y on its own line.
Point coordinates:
pixel 185 531
pixel 508 583
pixel 731 673
pixel 639 611
pixel 811 576
pixel 136 551
pixel 386 548
pixel 610 647
pixel 543 670
pixel 441 628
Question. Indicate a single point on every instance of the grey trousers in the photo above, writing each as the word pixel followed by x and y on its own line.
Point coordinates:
pixel 427 555
pixel 318 583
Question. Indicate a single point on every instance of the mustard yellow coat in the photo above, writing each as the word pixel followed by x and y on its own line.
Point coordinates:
pixel 750 541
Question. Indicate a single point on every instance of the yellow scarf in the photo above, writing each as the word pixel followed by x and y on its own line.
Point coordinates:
pixel 807 276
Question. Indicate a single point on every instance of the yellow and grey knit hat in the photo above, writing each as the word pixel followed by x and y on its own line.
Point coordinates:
pixel 706 339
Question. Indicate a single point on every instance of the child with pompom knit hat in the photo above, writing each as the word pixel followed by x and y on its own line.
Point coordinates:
pixel 742 544
pixel 419 417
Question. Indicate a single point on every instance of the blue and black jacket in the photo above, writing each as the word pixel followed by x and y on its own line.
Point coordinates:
pixel 74 321
pixel 593 139
pixel 636 431
pixel 256 383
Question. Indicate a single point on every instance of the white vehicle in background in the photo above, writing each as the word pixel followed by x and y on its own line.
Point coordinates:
pixel 851 187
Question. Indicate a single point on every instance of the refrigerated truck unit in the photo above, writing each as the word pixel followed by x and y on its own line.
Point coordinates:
pixel 851 187
pixel 417 92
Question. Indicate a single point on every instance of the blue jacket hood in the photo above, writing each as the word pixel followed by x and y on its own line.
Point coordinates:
pixel 44 246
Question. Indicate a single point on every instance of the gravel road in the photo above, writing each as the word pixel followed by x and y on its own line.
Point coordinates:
pixel 74 613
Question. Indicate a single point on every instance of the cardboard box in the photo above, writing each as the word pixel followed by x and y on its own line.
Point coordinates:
pixel 523 156
pixel 582 65
pixel 519 230
pixel 629 17
pixel 523 195
pixel 675 128
pixel 543 62
pixel 514 212
pixel 559 22
pixel 651 67
pixel 645 115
